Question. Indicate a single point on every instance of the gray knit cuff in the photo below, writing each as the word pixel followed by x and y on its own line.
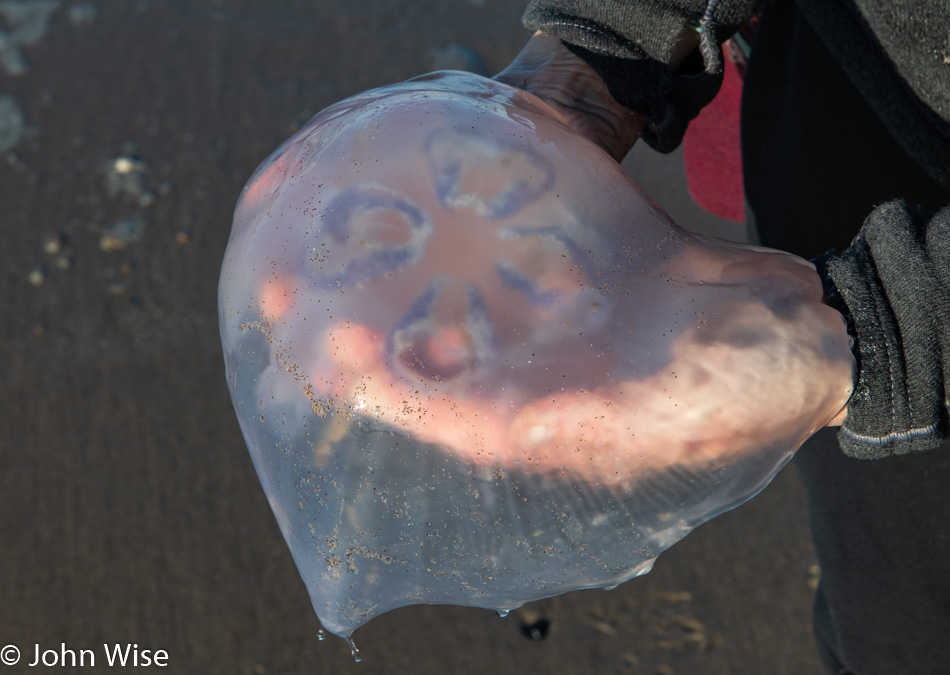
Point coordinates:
pixel 893 285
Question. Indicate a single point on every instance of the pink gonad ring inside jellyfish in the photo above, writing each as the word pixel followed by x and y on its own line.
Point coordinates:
pixel 475 365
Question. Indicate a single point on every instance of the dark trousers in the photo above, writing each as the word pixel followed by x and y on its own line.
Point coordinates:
pixel 817 160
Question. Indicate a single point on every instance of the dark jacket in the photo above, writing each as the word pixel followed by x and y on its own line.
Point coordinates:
pixel 897 52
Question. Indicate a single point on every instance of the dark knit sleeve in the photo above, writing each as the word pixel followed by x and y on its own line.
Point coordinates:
pixel 631 43
pixel 893 285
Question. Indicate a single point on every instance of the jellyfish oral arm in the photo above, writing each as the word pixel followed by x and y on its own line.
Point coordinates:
pixel 548 70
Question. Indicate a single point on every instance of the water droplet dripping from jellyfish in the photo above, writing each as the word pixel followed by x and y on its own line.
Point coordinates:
pixel 321 635
pixel 353 650
pixel 503 613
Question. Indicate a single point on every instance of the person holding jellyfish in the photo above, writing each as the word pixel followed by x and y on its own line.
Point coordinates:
pixel 846 147
pixel 450 282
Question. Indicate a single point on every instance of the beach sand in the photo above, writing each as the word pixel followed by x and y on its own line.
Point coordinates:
pixel 129 508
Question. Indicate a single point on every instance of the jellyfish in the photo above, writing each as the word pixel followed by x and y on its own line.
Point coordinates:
pixel 475 365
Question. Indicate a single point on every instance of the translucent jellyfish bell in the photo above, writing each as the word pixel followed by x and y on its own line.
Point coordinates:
pixel 475 365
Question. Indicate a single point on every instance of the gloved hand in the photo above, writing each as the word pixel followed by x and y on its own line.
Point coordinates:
pixel 550 71
pixel 547 69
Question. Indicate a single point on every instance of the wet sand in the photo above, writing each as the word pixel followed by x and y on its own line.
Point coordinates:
pixel 130 511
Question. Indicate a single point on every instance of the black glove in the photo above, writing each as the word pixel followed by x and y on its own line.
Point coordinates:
pixel 893 286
